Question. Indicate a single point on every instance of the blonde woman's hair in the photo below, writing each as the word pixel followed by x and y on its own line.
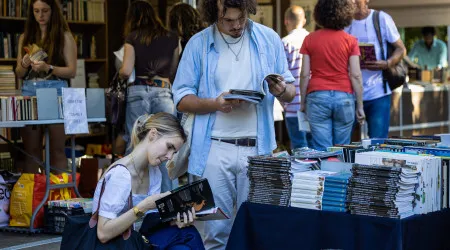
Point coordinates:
pixel 165 123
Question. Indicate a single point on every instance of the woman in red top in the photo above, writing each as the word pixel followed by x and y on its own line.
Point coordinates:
pixel 331 75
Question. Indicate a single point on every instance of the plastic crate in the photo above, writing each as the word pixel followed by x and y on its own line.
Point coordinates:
pixel 55 218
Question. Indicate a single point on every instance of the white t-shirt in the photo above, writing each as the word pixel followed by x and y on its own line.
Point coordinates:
pixel 232 74
pixel 364 31
pixel 117 190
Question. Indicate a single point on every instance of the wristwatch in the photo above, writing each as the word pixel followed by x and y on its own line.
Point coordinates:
pixel 50 70
pixel 138 212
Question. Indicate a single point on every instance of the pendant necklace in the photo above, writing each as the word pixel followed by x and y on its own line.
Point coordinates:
pixel 229 47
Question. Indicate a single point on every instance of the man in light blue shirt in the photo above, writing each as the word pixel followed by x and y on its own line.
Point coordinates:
pixel 233 53
pixel 430 52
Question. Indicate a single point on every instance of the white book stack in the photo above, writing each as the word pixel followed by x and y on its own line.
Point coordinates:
pixel 307 189
pixel 93 80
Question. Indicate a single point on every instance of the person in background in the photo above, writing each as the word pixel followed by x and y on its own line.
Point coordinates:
pixel 185 21
pixel 153 52
pixel 232 53
pixel 155 138
pixel 377 94
pixel 331 75
pixel 430 52
pixel 46 27
pixel 294 19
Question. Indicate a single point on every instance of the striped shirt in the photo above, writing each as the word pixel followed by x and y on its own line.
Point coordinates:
pixel 292 44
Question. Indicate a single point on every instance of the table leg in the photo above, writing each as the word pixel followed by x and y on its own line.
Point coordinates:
pixel 47 176
pixel 74 167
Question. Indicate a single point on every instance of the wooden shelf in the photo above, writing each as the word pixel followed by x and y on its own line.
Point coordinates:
pixel 88 60
pixel 7 18
pixel 22 19
pixel 8 59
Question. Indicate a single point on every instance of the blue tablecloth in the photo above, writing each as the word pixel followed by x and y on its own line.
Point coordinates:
pixel 262 227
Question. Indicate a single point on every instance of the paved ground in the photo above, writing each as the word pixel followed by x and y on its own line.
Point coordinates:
pixel 13 241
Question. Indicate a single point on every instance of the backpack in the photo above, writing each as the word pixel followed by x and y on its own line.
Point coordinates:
pixel 394 76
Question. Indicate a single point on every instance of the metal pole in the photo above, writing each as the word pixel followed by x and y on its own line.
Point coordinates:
pixel 74 167
pixel 47 178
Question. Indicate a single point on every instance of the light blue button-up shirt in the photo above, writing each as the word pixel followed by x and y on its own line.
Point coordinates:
pixel 195 76
pixel 432 58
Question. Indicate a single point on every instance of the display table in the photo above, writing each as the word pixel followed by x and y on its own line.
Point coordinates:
pixel 263 227
pixel 46 164
pixel 422 108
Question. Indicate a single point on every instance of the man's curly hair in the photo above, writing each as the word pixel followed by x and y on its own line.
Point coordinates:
pixel 334 14
pixel 210 11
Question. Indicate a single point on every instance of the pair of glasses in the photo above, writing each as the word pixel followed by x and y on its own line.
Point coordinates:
pixel 231 22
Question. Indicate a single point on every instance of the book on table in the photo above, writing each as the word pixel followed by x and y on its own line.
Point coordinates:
pixel 367 54
pixel 197 195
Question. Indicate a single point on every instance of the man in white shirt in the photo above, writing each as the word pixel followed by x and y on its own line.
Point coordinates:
pixel 377 94
pixel 294 20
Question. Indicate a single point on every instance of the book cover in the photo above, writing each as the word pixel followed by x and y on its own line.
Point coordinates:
pixel 197 195
pixel 367 54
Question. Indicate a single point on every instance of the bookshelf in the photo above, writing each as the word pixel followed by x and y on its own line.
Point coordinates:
pixel 91 22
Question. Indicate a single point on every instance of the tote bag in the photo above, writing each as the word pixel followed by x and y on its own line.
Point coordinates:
pixel 80 232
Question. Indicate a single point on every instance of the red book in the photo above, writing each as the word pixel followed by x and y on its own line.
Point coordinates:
pixel 367 54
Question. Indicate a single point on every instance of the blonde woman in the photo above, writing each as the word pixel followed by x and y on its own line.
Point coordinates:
pixel 155 139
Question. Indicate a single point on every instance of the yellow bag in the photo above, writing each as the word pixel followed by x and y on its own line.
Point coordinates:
pixel 62 193
pixel 28 193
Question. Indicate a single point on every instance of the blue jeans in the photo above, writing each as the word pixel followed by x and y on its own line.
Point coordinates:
pixel 29 86
pixel 298 138
pixel 174 238
pixel 378 116
pixel 331 115
pixel 143 99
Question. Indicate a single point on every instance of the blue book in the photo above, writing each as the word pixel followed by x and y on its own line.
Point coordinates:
pixel 334 194
pixel 333 203
pixel 335 190
pixel 334 208
pixel 335 185
pixel 339 178
pixel 330 198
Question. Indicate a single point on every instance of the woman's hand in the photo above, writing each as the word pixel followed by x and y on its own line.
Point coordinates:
pixel 302 106
pixel 26 61
pixel 360 115
pixel 186 219
pixel 149 202
pixel 40 66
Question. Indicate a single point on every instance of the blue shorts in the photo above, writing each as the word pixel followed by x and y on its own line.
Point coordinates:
pixel 29 86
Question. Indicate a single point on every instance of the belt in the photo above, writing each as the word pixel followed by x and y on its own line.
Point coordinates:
pixel 245 142
pixel 152 83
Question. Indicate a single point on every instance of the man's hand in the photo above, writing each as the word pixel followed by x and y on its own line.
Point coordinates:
pixel 226 106
pixel 40 66
pixel 276 87
pixel 303 106
pixel 377 65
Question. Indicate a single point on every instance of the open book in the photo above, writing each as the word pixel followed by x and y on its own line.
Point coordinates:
pixel 367 54
pixel 197 195
pixel 252 96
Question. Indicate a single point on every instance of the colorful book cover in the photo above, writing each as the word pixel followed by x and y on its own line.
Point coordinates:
pixel 367 54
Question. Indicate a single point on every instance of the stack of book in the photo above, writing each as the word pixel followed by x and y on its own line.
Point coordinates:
pixel 270 181
pixel 307 189
pixel 429 193
pixel 382 191
pixel 93 80
pixel 7 80
pixel 335 192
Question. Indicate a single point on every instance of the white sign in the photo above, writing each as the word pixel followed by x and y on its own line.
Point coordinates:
pixel 74 106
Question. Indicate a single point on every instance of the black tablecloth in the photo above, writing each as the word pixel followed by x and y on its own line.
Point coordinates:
pixel 262 227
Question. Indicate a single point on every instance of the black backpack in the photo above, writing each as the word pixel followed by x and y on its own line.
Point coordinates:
pixel 395 76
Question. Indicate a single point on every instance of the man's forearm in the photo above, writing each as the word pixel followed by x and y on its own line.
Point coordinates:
pixel 289 94
pixel 194 104
pixel 396 56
